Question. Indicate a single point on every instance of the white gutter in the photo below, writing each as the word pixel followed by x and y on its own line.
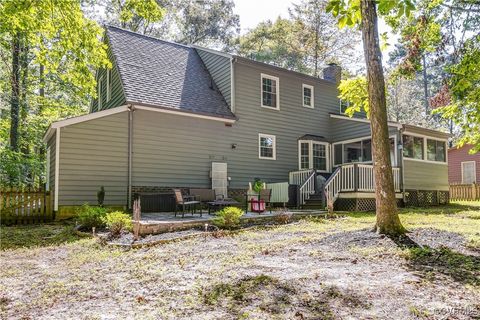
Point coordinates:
pixel 391 124
pixel 186 114
pixel 232 85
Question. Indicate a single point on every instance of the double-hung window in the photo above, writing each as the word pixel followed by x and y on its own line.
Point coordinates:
pixel 435 150
pixel 412 147
pixel 307 91
pixel 313 155
pixel 468 172
pixel 267 146
pixel 270 92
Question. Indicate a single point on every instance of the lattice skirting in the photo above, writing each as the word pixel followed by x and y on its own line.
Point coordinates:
pixel 358 204
pixel 424 198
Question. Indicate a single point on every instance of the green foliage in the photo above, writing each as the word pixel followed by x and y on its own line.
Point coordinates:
pixel 349 13
pixel 464 87
pixel 304 42
pixel 228 217
pixel 257 185
pixel 135 15
pixel 60 49
pixel 117 222
pixel 354 91
pixel 91 217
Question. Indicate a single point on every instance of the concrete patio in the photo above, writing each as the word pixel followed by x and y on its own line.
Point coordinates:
pixel 159 222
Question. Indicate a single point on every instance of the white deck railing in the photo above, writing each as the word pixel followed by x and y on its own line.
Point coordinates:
pixel 306 180
pixel 308 187
pixel 333 186
pixel 299 177
pixel 366 178
pixel 355 177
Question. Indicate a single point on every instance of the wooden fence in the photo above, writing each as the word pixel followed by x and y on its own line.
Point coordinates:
pixel 24 207
pixel 465 192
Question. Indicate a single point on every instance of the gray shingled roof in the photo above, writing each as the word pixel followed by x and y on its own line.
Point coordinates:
pixel 164 74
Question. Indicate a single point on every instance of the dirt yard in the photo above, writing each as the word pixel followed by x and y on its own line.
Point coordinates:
pixel 313 269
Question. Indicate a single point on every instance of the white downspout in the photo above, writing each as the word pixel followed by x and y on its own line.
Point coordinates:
pixel 130 147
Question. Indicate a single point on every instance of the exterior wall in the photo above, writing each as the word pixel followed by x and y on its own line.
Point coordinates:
pixel 344 129
pixel 288 124
pixel 117 97
pixel 219 68
pixel 93 154
pixel 455 159
pixel 420 175
pixel 177 151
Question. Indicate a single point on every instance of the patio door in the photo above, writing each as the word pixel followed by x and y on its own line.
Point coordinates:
pixel 219 179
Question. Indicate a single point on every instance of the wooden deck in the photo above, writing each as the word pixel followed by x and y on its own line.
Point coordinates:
pixel 154 223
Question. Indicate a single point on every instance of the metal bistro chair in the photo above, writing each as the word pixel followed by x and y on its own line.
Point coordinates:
pixel 265 195
pixel 185 202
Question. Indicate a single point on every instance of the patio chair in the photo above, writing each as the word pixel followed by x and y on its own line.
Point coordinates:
pixel 265 195
pixel 203 195
pixel 185 202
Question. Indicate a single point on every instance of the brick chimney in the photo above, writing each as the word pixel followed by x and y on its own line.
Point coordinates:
pixel 333 73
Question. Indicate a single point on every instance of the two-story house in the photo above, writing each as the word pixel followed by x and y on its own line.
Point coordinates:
pixel 170 115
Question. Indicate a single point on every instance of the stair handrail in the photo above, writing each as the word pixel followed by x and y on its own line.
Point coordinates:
pixel 308 187
pixel 332 186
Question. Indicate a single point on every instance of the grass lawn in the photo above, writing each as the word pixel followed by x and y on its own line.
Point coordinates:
pixel 312 269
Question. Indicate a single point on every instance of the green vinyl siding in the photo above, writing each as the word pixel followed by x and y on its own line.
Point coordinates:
pixel 117 97
pixel 94 153
pixel 219 68
pixel 421 175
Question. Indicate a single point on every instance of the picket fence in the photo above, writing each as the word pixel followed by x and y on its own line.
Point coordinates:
pixel 25 206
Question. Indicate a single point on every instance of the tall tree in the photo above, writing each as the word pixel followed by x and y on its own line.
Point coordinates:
pixel 135 15
pixel 49 51
pixel 322 39
pixel 207 22
pixel 278 43
pixel 364 14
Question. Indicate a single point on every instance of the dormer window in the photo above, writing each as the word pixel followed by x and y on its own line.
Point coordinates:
pixel 307 96
pixel 270 92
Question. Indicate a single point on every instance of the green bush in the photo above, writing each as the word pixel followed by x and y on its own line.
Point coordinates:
pixel 228 217
pixel 90 216
pixel 117 222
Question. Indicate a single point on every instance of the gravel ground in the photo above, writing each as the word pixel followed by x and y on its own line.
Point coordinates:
pixel 305 270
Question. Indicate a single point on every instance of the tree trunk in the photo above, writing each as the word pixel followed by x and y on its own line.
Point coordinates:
pixel 15 99
pixel 388 221
pixel 425 87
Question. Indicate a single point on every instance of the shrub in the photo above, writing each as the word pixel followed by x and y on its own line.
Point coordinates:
pixel 117 222
pixel 228 217
pixel 257 185
pixel 90 217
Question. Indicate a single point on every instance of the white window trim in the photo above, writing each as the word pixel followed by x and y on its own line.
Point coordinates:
pixel 312 99
pixel 425 157
pixel 274 139
pixel 310 154
pixel 474 171
pixel 109 89
pixel 277 90
pixel 394 137
pixel 99 93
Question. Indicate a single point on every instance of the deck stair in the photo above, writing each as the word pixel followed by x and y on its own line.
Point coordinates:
pixel 315 201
